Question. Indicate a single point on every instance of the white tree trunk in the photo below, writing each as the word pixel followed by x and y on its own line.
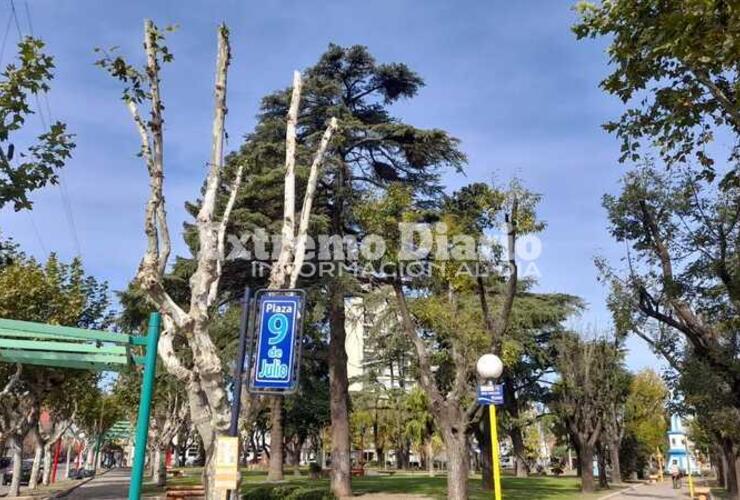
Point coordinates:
pixel 206 387
pixel 37 456
pixel 15 483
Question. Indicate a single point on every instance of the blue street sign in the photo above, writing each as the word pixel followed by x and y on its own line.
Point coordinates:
pixel 277 353
pixel 491 394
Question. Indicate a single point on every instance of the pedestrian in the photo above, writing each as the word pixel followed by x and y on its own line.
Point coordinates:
pixel 675 476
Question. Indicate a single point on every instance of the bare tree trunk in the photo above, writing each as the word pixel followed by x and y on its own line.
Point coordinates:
pixel 68 459
pixel 46 476
pixel 160 474
pixel 156 459
pixel 15 483
pixel 430 456
pixel 720 465
pixel 38 450
pixel 483 431
pixel 517 439
pixel 339 385
pixel 586 461
pixel 616 465
pixel 457 464
pixel 275 471
pixel 601 460
pixel 732 471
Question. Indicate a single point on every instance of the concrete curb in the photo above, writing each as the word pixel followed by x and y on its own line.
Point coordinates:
pixel 616 493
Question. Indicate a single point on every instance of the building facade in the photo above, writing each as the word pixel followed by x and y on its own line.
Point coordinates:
pixel 680 449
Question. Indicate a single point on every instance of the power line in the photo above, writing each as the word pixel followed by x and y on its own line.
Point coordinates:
pixel 45 121
pixel 5 37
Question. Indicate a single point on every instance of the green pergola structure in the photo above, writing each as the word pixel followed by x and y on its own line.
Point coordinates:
pixel 119 430
pixel 78 348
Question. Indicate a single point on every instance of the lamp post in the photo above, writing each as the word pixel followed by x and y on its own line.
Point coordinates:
pixel 490 367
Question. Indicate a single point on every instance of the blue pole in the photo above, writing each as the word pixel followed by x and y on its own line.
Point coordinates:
pixel 145 403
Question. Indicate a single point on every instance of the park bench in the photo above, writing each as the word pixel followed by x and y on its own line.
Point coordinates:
pixel 358 472
pixel 191 492
pixel 702 493
pixel 652 478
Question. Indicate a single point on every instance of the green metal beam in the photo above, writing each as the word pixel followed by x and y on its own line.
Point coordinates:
pixel 35 345
pixel 64 331
pixel 64 359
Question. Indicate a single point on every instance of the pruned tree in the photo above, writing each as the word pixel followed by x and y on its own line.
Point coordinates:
pixel 680 288
pixel 188 321
pixel 583 393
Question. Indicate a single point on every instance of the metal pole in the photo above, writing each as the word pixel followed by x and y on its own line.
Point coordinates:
pixel 236 404
pixel 145 402
pixel 56 461
pixel 495 465
pixel 688 466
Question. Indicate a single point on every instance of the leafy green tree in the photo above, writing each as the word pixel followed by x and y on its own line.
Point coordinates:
pixel 55 293
pixel 372 150
pixel 419 427
pixel 589 381
pixel 23 172
pixel 645 421
pixel 675 65
pixel 680 291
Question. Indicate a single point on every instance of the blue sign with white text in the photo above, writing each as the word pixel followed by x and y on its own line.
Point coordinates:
pixel 491 394
pixel 277 344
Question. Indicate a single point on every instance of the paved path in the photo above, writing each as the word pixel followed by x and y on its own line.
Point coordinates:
pixel 659 491
pixel 113 485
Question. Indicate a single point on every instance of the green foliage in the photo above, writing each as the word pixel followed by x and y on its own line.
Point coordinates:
pixel 676 62
pixel 681 291
pixel 288 492
pixel 58 294
pixel 39 164
pixel 55 293
pixel 135 80
pixel 645 421
pixel 645 410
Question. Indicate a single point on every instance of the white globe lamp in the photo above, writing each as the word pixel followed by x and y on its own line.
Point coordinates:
pixel 489 366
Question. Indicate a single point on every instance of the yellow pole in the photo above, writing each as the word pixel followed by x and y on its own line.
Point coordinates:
pixel 688 468
pixel 496 465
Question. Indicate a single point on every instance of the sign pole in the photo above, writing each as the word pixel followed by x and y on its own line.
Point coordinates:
pixel 239 364
pixel 688 467
pixel 495 463
pixel 145 403
pixel 236 404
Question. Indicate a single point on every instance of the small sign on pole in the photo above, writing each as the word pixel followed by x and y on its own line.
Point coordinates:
pixel 227 463
pixel 491 394
pixel 277 352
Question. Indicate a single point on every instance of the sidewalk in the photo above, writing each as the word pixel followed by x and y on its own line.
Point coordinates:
pixel 113 485
pixel 658 491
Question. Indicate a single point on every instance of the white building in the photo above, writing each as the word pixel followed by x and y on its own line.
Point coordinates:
pixel 362 364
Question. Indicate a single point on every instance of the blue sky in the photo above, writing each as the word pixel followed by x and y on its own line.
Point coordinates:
pixel 507 78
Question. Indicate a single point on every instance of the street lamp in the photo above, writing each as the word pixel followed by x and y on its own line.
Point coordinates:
pixel 490 367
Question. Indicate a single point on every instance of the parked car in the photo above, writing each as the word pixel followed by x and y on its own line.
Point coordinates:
pixel 26 466
pixel 80 473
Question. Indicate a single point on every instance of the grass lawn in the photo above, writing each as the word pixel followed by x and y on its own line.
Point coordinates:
pixel 532 488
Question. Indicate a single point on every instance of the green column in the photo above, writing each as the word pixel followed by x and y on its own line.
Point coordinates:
pixel 145 402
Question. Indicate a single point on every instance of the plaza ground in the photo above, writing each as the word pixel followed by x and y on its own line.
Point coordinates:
pixel 113 485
